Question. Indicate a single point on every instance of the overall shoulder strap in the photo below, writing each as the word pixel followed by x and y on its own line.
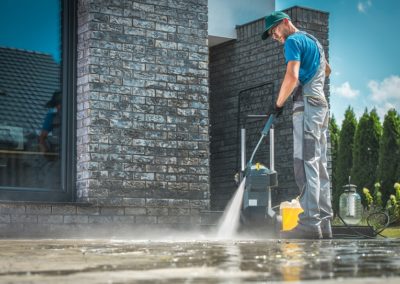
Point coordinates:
pixel 321 49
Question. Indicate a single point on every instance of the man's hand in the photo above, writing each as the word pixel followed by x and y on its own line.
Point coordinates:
pixel 277 111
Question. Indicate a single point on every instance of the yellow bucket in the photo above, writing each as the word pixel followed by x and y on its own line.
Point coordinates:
pixel 290 214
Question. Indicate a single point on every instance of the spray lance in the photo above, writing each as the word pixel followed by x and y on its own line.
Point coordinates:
pixel 264 133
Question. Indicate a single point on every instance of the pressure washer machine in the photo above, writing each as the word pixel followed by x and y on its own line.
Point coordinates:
pixel 257 209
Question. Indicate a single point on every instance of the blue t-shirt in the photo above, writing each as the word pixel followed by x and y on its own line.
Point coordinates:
pixel 299 47
pixel 48 120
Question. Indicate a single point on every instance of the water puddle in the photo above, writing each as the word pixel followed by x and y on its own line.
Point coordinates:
pixel 240 261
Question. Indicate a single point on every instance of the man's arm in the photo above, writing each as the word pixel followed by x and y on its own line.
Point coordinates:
pixel 328 69
pixel 289 82
pixel 42 141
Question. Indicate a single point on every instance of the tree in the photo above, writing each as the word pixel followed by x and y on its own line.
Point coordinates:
pixel 366 151
pixel 334 133
pixel 389 154
pixel 344 156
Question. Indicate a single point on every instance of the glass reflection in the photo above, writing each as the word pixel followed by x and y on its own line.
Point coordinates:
pixel 292 268
pixel 30 97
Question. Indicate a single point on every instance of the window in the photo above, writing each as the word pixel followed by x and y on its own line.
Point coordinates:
pixel 36 100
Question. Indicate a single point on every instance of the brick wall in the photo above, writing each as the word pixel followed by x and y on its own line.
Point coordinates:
pixel 245 76
pixel 27 219
pixel 142 137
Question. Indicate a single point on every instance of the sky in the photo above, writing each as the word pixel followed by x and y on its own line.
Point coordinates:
pixel 34 27
pixel 364 49
pixel 224 15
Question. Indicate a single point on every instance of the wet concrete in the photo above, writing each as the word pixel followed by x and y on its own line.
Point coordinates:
pixel 204 261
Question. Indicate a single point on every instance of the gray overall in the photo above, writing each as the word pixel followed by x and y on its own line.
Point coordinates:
pixel 310 129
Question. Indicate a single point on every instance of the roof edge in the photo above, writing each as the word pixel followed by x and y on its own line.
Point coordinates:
pixel 296 6
pixel 25 50
pixel 307 8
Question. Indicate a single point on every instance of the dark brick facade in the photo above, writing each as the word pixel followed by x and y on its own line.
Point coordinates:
pixel 245 76
pixel 143 103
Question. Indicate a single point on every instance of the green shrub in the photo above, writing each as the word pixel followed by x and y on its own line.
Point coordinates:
pixel 378 195
pixel 373 202
pixel 393 204
pixel 369 200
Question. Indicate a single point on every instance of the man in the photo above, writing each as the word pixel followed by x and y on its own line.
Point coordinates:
pixel 48 166
pixel 306 69
pixel 52 123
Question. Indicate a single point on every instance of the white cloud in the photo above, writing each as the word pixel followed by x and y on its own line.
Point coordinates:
pixel 388 89
pixel 379 94
pixel 345 91
pixel 385 94
pixel 362 6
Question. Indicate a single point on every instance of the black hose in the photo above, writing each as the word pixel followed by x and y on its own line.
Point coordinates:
pixel 358 234
pixel 387 222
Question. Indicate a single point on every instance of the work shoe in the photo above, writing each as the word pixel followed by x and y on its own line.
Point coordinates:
pixel 300 233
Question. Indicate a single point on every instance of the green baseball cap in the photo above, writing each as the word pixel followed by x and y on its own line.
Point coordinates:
pixel 272 20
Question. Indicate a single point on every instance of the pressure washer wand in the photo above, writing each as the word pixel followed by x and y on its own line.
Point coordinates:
pixel 264 133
